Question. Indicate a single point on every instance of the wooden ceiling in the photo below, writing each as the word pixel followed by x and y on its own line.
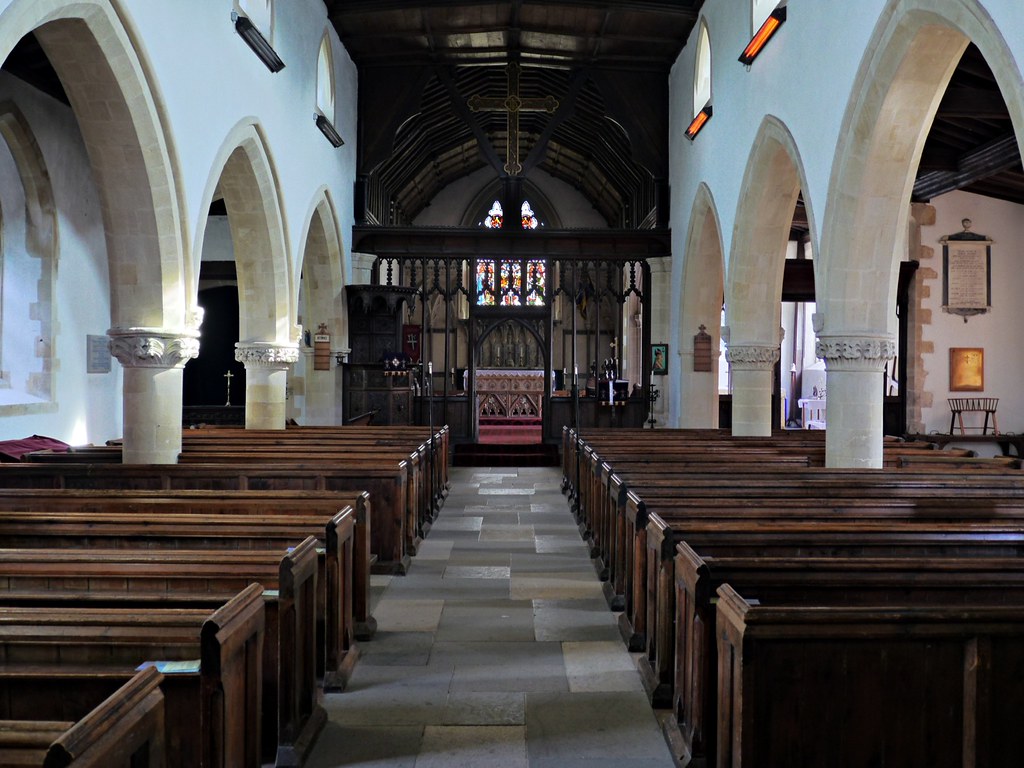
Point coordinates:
pixel 606 62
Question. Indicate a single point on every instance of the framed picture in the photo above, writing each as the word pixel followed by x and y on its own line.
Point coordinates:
pixel 659 359
pixel 966 369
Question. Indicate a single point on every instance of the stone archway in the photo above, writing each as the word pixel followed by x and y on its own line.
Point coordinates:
pixel 753 285
pixel 696 401
pixel 153 326
pixel 903 77
pixel 322 300
pixel 268 331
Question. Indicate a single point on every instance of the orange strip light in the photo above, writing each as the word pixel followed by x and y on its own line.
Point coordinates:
pixel 698 122
pixel 763 35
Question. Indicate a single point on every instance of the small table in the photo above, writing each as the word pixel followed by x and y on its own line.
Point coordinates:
pixel 958 406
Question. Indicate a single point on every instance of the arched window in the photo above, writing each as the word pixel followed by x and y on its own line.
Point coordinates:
pixel 529 218
pixel 702 71
pixel 759 11
pixel 495 217
pixel 325 79
pixel 261 14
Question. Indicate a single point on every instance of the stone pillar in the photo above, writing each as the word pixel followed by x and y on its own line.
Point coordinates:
pixel 854 386
pixel 752 366
pixel 153 360
pixel 266 378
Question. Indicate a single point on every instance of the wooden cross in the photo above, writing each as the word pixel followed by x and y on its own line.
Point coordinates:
pixel 512 104
pixel 228 376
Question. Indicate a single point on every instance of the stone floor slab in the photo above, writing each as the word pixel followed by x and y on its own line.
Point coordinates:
pixel 422 615
pixel 600 666
pixel 474 708
pixel 349 745
pixel 457 746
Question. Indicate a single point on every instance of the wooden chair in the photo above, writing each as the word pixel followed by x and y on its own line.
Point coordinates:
pixel 960 405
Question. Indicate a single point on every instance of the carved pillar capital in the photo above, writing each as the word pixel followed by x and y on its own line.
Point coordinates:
pixel 855 353
pixel 752 357
pixel 153 347
pixel 266 354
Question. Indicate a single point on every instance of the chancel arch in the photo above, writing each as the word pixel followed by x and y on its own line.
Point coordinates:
pixel 153 328
pixel 268 334
pixel 753 284
pixel 696 398
pixel 903 76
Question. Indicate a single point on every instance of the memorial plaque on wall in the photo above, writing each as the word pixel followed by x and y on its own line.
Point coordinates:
pixel 967 277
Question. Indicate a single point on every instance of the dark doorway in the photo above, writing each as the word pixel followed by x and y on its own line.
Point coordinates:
pixel 204 378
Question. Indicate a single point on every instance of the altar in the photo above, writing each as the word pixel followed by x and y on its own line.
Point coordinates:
pixel 505 394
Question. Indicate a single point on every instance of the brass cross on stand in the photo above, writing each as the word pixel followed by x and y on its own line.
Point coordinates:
pixel 513 104
pixel 228 376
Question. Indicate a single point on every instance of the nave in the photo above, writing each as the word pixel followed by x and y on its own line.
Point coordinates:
pixel 497 649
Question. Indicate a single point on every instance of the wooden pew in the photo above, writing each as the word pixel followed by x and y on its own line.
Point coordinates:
pixel 211 710
pixel 206 520
pixel 125 730
pixel 158 579
pixel 823 528
pixel 292 484
pixel 943 687
pixel 804 581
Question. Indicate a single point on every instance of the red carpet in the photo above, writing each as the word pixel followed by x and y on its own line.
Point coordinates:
pixel 510 431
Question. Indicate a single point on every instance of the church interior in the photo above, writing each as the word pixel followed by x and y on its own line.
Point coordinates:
pixel 520 383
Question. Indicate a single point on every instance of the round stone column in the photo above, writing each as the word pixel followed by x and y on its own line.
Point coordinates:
pixel 854 387
pixel 266 378
pixel 153 360
pixel 751 366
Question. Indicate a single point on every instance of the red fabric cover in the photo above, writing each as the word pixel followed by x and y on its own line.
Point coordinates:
pixel 14 450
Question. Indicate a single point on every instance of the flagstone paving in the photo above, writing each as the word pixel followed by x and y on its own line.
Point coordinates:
pixel 497 650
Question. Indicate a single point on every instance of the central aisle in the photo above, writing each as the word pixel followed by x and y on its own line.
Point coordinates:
pixel 497 650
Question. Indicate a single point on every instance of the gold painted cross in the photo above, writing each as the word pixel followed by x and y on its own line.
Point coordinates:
pixel 512 104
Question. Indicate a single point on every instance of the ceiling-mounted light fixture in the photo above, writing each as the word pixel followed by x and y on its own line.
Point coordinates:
pixel 763 35
pixel 255 40
pixel 698 122
pixel 328 130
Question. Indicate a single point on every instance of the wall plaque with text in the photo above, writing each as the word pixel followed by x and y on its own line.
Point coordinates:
pixel 967 273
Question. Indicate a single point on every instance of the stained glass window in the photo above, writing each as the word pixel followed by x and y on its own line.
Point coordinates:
pixel 528 216
pixel 511 283
pixel 485 284
pixel 495 216
pixel 536 275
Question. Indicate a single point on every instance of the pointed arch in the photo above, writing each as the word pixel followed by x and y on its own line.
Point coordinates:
pixel 772 182
pixel 753 286
pixel 128 148
pixel 901 80
pixel 321 299
pixel 908 64
pixel 702 296
pixel 244 177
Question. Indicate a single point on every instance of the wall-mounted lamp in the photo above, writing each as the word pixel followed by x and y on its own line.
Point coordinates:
pixel 763 35
pixel 698 122
pixel 255 40
pixel 328 130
